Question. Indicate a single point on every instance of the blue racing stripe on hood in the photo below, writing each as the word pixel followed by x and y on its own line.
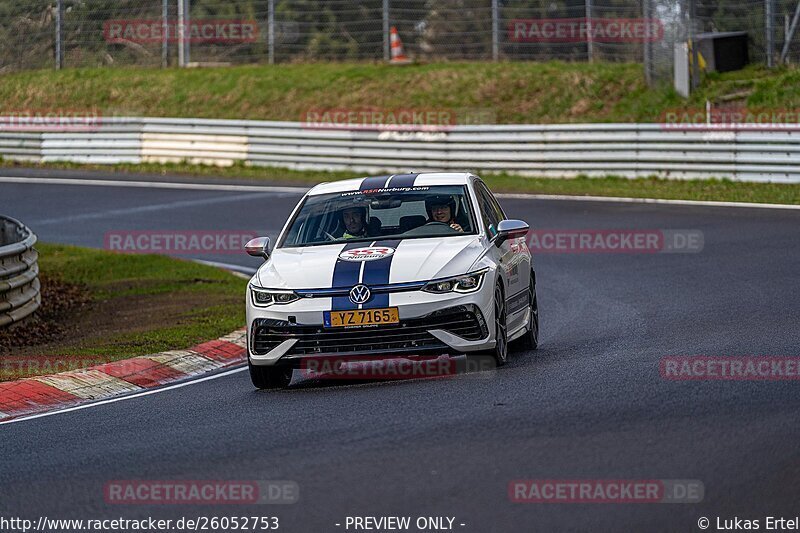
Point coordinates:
pixel 378 182
pixel 402 180
pixel 345 274
pixel 377 273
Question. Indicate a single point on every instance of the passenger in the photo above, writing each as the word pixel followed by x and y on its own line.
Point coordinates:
pixel 442 209
pixel 354 219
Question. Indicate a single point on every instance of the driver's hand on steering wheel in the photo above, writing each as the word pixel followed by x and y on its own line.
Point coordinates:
pixel 456 226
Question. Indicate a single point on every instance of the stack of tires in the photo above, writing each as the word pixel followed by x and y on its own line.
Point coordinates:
pixel 19 272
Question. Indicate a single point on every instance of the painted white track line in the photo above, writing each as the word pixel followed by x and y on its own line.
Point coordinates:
pixel 236 270
pixel 217 199
pixel 299 190
pixel 622 199
pixel 127 397
pixel 153 184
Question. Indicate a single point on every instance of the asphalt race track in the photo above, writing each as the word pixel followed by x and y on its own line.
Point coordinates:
pixel 589 404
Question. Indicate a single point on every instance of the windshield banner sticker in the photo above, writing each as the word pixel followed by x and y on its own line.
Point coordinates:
pixel 384 190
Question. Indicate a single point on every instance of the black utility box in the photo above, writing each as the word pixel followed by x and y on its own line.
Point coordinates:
pixel 723 52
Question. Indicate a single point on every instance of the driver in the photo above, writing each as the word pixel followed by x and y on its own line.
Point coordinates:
pixel 442 209
pixel 354 219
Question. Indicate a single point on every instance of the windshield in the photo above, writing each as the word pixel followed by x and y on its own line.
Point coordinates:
pixel 413 212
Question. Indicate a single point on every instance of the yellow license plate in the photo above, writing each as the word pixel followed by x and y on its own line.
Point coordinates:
pixel 362 317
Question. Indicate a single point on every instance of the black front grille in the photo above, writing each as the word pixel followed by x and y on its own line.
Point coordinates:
pixel 408 336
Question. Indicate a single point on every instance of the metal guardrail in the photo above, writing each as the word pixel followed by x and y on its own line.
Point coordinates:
pixel 19 272
pixel 630 150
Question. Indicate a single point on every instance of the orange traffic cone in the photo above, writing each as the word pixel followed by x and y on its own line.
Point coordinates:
pixel 398 57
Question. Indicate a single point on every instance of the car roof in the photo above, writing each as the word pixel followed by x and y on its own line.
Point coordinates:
pixel 393 180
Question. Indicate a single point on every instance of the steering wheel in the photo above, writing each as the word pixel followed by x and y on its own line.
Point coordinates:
pixel 436 222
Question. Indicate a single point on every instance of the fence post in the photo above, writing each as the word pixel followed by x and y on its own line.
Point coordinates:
pixel 790 36
pixel 769 31
pixel 647 60
pixel 386 44
pixel 495 30
pixel 695 67
pixel 589 42
pixel 59 34
pixel 164 33
pixel 271 31
pixel 181 34
pixel 187 41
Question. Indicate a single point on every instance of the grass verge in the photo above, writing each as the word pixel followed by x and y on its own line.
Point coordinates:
pixel 122 306
pixel 503 93
pixel 718 190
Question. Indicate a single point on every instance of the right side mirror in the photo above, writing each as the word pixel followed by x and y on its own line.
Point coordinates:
pixel 510 229
pixel 258 247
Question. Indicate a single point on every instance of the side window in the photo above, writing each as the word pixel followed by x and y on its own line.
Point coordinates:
pixel 490 211
pixel 495 205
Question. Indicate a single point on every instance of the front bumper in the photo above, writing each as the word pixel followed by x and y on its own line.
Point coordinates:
pixel 429 324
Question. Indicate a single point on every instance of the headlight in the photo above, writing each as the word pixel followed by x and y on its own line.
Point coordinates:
pixel 466 283
pixel 265 297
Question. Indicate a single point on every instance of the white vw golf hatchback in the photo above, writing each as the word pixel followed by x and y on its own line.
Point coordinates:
pixel 390 266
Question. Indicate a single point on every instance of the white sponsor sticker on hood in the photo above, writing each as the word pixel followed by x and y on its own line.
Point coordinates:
pixel 370 253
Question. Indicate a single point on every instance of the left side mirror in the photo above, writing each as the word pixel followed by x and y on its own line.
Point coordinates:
pixel 258 247
pixel 510 229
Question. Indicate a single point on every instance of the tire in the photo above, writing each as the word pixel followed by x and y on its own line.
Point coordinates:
pixel 530 341
pixel 500 351
pixel 270 377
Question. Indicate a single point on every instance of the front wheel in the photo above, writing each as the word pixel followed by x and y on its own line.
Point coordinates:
pixel 530 341
pixel 500 351
pixel 270 377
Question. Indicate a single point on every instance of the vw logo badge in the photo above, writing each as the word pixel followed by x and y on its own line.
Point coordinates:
pixel 360 294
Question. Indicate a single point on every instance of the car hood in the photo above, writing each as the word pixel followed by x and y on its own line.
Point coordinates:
pixel 419 259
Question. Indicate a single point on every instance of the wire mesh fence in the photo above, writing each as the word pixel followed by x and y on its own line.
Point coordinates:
pixel 79 33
